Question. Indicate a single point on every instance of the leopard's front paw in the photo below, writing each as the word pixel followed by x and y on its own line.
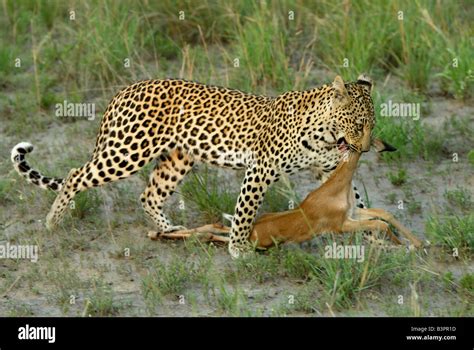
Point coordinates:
pixel 240 250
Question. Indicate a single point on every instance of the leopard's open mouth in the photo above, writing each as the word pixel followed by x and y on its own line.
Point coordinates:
pixel 342 144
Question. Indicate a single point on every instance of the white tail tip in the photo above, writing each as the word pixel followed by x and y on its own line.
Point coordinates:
pixel 21 148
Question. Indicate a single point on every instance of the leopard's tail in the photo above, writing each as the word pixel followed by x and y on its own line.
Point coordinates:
pixel 31 175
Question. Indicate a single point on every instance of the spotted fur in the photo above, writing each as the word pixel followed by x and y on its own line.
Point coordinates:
pixel 178 122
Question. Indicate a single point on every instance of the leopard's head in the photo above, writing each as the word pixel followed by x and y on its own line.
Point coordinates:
pixel 353 112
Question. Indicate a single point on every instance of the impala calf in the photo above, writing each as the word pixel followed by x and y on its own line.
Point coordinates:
pixel 328 209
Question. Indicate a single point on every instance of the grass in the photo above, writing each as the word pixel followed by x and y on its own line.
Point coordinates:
pixel 229 301
pixel 306 300
pixel 299 264
pixel 259 55
pixel 101 301
pixel 168 279
pixel 281 196
pixel 460 198
pixel 6 187
pixel 271 44
pixel 412 138
pixel 453 232
pixel 20 310
pixel 279 46
pixel 206 191
pixel 85 203
pixel 66 286
pixel 470 157
pixel 259 267
pixel 454 229
pixel 398 178
pixel 467 283
pixel 177 276
pixel 458 75
pixel 414 207
pixel 343 279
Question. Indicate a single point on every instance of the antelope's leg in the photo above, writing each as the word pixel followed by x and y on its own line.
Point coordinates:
pixel 207 233
pixel 386 216
pixel 351 225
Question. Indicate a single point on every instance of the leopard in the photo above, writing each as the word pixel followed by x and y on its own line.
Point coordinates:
pixel 176 123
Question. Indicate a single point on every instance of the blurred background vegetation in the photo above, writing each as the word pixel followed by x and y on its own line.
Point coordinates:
pixel 278 43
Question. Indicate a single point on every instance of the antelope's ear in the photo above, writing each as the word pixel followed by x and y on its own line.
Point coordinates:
pixel 382 146
pixel 366 83
pixel 341 96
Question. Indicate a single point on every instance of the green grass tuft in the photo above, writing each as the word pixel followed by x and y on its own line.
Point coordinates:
pixel 453 232
pixel 209 193
pixel 398 178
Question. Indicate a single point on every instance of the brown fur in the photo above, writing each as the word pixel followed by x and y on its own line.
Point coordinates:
pixel 328 209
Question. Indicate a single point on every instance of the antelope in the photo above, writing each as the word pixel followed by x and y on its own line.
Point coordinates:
pixel 327 209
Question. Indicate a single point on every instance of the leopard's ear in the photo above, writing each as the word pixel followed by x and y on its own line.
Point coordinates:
pixel 341 96
pixel 365 82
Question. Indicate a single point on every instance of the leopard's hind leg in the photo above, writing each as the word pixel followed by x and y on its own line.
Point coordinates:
pixel 95 173
pixel 107 165
pixel 169 171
